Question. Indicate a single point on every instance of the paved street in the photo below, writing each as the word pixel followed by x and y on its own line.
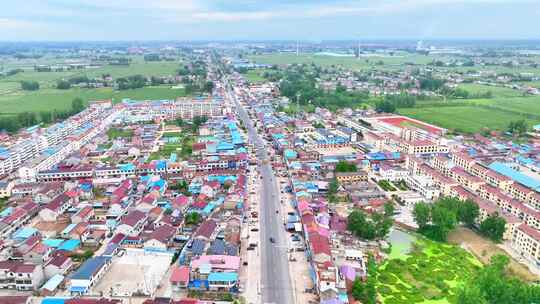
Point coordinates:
pixel 276 283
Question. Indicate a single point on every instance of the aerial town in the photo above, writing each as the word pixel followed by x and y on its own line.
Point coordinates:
pixel 269 152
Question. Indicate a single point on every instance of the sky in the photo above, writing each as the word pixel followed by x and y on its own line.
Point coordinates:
pixel 109 20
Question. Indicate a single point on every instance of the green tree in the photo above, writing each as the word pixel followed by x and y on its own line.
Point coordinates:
pixel 493 227
pixel 468 212
pixel 468 294
pixel 343 166
pixel 46 117
pixel 77 105
pixel 63 85
pixel 422 214
pixel 389 209
pixel 192 218
pixel 29 85
pixel 444 220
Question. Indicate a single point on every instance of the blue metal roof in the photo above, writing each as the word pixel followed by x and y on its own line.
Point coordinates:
pixel 70 245
pixel 515 175
pixel 90 267
pixel 222 277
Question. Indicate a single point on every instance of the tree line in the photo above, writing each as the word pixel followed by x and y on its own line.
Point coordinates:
pixel 375 227
pixel 12 124
pixel 437 220
pixel 492 284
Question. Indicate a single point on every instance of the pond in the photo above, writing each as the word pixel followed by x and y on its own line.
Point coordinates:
pixel 402 243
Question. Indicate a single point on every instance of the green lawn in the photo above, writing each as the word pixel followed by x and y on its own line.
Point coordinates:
pixel 114 133
pixel 254 76
pixel 49 99
pixel 429 274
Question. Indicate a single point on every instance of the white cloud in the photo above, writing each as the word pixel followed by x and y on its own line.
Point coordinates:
pixel 14 24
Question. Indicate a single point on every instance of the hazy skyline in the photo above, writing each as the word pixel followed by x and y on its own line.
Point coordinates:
pixel 59 20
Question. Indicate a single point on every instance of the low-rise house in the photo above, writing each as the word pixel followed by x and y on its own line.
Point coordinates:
pixel 60 264
pixel 56 207
pixel 88 274
pixel 132 224
pixel 20 275
pixel 161 237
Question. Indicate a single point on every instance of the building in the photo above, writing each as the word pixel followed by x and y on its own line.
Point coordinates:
pixel 88 274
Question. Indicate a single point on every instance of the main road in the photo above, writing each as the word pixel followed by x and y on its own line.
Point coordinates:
pixel 276 282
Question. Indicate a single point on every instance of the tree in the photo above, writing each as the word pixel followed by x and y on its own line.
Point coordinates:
pixel 63 85
pixel 208 86
pixel 444 220
pixel 422 214
pixel 366 292
pixel 470 294
pixel 492 284
pixel 518 128
pixel 77 105
pixel 29 85
pixel 493 227
pixel 343 166
pixel 46 117
pixel 389 209
pixel 468 212
pixel 375 228
pixel 192 218
pixel 385 106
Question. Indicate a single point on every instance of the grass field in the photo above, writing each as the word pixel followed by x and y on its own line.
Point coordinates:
pixel 49 99
pixel 474 88
pixel 254 76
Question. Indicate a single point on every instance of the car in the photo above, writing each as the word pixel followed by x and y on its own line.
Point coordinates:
pixel 245 263
pixel 272 240
pixel 254 229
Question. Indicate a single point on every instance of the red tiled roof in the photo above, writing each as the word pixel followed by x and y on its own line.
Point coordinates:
pixel 180 274
pixel 163 233
pixel 206 229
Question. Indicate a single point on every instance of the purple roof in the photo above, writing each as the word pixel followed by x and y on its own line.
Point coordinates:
pixel 348 272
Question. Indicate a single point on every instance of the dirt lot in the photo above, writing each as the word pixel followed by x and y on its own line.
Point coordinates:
pixel 484 249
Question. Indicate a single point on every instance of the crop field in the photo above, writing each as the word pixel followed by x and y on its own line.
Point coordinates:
pixel 15 100
pixel 471 115
pixel 49 99
pixel 430 273
pixel 467 119
pixel 474 88
pixel 364 62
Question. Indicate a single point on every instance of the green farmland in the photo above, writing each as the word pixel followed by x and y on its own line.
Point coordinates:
pixel 497 91
pixel 366 62
pixel 49 99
